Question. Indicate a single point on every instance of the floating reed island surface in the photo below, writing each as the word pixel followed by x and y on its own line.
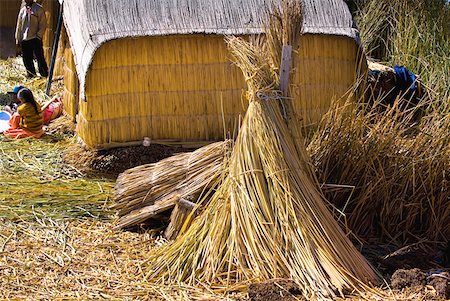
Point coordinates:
pixel 393 165
pixel 48 259
pixel 35 181
pixel 13 73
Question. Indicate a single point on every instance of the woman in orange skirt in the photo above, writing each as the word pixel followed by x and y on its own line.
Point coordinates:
pixel 27 121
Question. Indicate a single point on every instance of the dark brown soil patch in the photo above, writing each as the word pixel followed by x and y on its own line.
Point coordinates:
pixel 410 257
pixel 419 281
pixel 110 163
pixel 406 278
pixel 389 258
pixel 275 290
pixel 441 283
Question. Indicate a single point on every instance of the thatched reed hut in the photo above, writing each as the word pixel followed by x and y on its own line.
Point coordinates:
pixel 8 18
pixel 161 69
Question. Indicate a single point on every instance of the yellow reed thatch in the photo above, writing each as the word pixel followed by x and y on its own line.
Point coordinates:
pixel 8 13
pixel 154 91
pixel 51 13
pixel 70 92
pixel 176 82
pixel 8 16
pixel 151 91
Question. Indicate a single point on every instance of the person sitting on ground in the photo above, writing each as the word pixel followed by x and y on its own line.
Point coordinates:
pixel 27 121
pixel 11 108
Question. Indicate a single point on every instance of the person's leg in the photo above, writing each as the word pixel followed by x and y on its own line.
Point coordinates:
pixel 39 52
pixel 14 122
pixel 27 57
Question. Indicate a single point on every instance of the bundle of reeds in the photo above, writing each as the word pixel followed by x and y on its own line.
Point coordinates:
pixel 268 218
pixel 144 191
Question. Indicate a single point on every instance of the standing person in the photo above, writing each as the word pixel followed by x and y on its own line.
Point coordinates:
pixel 27 121
pixel 31 23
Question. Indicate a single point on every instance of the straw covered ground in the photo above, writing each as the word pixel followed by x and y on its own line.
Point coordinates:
pixel 56 231
pixel 388 173
pixel 58 241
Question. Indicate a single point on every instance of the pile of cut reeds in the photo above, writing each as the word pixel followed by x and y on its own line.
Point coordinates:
pixel 267 218
pixel 145 191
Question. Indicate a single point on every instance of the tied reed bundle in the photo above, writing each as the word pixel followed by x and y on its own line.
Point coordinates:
pixel 267 218
pixel 147 190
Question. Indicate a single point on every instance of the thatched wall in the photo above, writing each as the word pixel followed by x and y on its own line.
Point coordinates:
pixel 71 84
pixel 162 87
pixel 184 87
pixel 8 12
pixel 325 68
pixel 51 12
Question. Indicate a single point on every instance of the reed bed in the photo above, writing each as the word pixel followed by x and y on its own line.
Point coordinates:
pixel 142 190
pixel 398 171
pixel 13 73
pixel 268 218
pixel 396 166
pixel 62 127
pixel 35 181
pixel 48 259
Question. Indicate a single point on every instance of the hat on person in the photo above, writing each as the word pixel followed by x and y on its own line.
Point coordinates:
pixel 16 90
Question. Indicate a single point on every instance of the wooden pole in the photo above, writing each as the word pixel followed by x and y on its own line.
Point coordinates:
pixel 179 215
pixel 285 68
pixel 55 49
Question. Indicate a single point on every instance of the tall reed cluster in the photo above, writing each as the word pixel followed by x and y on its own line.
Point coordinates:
pixel 394 174
pixel 395 166
pixel 413 33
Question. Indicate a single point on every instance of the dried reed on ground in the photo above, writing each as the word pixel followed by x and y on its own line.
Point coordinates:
pixel 400 170
pixel 13 73
pixel 48 259
pixel 63 127
pixel 35 181
pixel 267 219
pixel 144 191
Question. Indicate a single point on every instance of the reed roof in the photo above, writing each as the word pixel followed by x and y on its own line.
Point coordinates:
pixel 90 23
